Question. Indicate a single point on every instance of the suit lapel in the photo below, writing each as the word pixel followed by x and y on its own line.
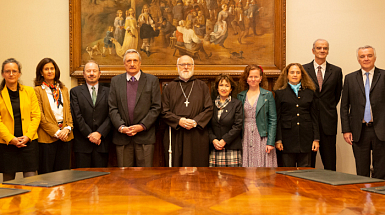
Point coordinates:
pixel 123 95
pixel 86 94
pixel 328 72
pixel 360 81
pixel 142 83
pixel 376 77
pixel 7 100
pixel 226 110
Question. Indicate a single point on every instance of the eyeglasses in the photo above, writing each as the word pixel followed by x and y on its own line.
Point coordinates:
pixel 11 72
pixel 189 65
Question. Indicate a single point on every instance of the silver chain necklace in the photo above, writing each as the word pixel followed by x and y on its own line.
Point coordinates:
pixel 186 102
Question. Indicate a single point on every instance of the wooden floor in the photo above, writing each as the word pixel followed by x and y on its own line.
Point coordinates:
pixel 194 190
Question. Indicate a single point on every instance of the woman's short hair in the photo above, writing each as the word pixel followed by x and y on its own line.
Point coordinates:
pixel 282 81
pixel 7 61
pixel 227 78
pixel 246 73
pixel 39 68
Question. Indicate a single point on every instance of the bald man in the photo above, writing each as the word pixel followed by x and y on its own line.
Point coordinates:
pixel 187 108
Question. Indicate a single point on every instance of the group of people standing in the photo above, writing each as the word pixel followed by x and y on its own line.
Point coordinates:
pixel 37 125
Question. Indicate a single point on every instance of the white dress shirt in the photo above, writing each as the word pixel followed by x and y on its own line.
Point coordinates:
pixel 58 112
pixel 137 76
pixel 323 69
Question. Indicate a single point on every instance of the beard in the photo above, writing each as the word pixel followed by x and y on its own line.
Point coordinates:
pixel 184 75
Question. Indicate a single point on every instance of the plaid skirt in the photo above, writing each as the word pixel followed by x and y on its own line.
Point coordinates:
pixel 225 158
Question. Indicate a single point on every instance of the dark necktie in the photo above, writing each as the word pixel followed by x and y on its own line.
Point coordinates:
pixel 319 78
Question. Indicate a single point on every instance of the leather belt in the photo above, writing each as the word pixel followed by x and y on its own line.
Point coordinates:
pixel 368 124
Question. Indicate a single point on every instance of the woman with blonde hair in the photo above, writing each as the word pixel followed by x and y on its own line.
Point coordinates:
pixel 56 119
pixel 297 129
pixel 19 120
pixel 260 120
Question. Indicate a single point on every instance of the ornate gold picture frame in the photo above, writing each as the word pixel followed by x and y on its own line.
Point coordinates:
pixel 256 35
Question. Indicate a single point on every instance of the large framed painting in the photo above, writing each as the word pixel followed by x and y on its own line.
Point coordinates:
pixel 221 35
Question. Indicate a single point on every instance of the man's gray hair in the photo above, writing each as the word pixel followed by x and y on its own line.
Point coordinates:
pixel 366 47
pixel 90 61
pixel 131 51
pixel 177 61
pixel 319 40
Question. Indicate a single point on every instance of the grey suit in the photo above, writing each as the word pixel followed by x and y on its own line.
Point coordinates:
pixel 327 101
pixel 365 138
pixel 146 111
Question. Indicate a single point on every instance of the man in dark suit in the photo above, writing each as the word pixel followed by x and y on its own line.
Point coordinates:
pixel 135 103
pixel 328 81
pixel 92 125
pixel 362 114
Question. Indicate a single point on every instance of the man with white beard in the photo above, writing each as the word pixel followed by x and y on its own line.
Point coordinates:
pixel 187 108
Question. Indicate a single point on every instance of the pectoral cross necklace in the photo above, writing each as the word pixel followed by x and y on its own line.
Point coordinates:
pixel 186 102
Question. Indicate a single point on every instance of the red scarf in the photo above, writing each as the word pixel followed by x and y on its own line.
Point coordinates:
pixel 55 93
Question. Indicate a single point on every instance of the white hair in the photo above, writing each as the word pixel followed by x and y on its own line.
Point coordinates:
pixel 319 40
pixel 366 47
pixel 131 51
pixel 177 61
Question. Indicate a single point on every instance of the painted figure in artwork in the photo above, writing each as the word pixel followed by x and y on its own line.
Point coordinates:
pixel 252 14
pixel 239 21
pixel 212 7
pixel 200 24
pixel 131 34
pixel 119 27
pixel 108 41
pixel 220 29
pixel 147 29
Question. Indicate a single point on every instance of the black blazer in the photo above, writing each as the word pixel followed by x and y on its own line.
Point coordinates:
pixel 353 103
pixel 88 118
pixel 146 112
pixel 329 96
pixel 229 126
pixel 297 118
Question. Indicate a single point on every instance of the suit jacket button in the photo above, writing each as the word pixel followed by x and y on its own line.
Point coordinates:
pixel 297 105
pixel 299 97
pixel 297 114
pixel 297 123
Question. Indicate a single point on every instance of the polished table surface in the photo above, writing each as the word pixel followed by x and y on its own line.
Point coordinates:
pixel 191 190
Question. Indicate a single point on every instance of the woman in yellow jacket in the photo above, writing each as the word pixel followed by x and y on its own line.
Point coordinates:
pixel 19 120
pixel 56 119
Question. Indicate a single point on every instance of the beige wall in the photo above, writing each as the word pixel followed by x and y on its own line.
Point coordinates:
pixel 347 25
pixel 32 30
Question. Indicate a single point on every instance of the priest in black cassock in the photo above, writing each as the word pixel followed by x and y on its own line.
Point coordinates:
pixel 187 108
